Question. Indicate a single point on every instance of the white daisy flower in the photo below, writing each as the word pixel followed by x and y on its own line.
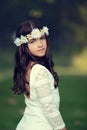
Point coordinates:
pixel 29 36
pixel 17 41
pixel 36 33
pixel 21 40
pixel 45 30
pixel 24 39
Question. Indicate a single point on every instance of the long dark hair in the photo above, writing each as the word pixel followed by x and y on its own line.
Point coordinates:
pixel 23 57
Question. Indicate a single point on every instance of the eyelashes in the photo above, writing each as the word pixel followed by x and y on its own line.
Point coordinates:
pixel 32 41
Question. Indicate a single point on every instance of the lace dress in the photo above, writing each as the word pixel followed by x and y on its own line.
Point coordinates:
pixel 42 108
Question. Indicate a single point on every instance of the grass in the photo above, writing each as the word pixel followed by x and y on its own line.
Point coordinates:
pixel 73 101
pixel 72 86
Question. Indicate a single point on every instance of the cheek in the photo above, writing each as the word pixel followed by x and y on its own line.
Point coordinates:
pixel 45 44
pixel 31 49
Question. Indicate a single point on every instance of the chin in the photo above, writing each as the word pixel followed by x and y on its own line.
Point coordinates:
pixel 41 56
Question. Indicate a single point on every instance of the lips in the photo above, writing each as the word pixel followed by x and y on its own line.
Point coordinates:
pixel 41 49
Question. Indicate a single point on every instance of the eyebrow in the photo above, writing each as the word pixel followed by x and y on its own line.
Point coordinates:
pixel 32 39
pixel 43 36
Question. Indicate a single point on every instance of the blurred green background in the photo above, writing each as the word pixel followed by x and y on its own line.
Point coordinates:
pixel 67 22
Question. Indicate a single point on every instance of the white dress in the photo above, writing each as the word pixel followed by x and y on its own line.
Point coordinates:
pixel 42 108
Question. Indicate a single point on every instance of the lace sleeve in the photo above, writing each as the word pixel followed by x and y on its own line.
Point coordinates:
pixel 44 93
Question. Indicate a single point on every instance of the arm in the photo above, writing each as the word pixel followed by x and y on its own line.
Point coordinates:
pixel 44 94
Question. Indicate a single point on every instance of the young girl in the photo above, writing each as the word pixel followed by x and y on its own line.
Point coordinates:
pixel 35 77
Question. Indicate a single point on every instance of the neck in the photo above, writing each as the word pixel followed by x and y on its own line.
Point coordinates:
pixel 40 60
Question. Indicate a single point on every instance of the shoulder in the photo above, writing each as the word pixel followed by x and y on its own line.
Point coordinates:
pixel 38 68
pixel 39 71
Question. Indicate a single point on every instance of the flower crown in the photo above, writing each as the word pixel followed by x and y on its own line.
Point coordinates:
pixel 36 33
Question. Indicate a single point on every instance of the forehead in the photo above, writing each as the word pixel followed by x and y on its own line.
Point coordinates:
pixel 43 36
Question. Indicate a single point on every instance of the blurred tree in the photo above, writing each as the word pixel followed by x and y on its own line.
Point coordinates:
pixel 66 19
pixel 80 29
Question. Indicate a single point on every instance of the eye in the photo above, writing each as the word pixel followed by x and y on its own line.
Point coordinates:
pixel 32 41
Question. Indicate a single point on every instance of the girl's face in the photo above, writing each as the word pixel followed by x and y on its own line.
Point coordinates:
pixel 38 46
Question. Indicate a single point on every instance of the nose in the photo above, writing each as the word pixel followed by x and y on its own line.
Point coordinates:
pixel 39 43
